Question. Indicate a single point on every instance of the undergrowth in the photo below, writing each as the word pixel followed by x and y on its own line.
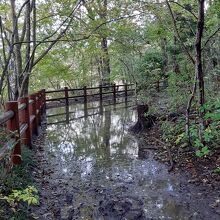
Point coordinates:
pixel 17 192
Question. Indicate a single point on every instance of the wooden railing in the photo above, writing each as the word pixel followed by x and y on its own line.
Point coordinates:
pixel 22 118
pixel 86 92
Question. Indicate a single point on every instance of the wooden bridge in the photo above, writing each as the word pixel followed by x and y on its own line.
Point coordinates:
pixel 23 118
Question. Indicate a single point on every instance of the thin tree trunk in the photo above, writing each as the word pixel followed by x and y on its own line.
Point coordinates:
pixel 198 48
pixel 106 70
pixel 27 70
pixel 199 76
pixel 17 50
pixel 165 56
pixel 176 68
pixel 199 66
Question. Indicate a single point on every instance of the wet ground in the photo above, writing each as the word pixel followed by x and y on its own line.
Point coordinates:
pixel 91 167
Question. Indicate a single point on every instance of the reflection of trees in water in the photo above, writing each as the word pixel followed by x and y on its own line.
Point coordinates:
pixel 94 136
pixel 107 133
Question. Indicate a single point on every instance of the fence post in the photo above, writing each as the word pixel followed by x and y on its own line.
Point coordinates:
pixel 13 126
pixel 114 93
pixel 33 111
pixel 126 90
pixel 66 95
pixel 85 93
pixel 126 93
pixel 24 118
pixel 38 103
pixel 158 86
pixel 41 103
pixel 100 92
pixel 44 100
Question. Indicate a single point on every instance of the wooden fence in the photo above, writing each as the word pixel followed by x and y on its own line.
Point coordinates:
pixel 90 92
pixel 22 119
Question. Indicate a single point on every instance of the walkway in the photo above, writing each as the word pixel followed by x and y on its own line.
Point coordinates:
pixel 91 168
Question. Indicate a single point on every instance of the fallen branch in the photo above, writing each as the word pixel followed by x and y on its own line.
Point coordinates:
pixel 169 153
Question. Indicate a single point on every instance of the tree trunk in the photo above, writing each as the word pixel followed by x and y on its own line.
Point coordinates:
pixel 176 68
pixel 106 70
pixel 198 48
pixel 27 69
pixel 165 56
pixel 198 65
pixel 17 51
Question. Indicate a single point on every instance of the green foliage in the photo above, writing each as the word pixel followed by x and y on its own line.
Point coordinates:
pixel 27 195
pixel 148 71
pixel 5 137
pixel 177 84
pixel 173 132
pixel 210 135
pixel 17 189
pixel 217 170
pixel 203 145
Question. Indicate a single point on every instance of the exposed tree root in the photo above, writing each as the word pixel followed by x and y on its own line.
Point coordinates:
pixel 144 121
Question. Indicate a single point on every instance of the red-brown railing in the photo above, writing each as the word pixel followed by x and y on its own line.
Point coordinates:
pixel 22 118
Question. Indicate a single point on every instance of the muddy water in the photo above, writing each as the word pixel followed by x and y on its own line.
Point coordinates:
pixel 100 171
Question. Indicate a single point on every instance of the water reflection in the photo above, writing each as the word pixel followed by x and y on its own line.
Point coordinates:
pixel 94 150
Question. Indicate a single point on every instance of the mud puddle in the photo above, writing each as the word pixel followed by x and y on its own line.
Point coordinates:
pixel 91 168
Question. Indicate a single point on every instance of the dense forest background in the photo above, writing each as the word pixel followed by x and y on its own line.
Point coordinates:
pixel 52 44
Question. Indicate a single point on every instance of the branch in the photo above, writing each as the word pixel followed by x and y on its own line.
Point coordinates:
pixel 60 35
pixel 65 20
pixel 58 39
pixel 78 39
pixel 178 34
pixel 11 46
pixel 210 37
pixel 192 13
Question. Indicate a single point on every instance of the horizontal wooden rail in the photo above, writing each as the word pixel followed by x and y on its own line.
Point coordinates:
pixel 103 90
pixel 22 119
pixel 6 116
pixel 88 88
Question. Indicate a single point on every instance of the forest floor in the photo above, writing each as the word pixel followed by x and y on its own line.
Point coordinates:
pixel 200 173
pixel 198 176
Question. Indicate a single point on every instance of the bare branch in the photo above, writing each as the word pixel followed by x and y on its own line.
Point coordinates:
pixel 59 36
pixel 211 36
pixel 11 45
pixel 178 34
pixel 192 13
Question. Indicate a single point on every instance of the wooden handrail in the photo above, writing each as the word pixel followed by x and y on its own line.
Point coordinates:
pixel 88 88
pixel 6 116
pixel 22 119
pixel 103 90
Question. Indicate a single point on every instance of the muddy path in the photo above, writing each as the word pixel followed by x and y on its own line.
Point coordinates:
pixel 92 168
